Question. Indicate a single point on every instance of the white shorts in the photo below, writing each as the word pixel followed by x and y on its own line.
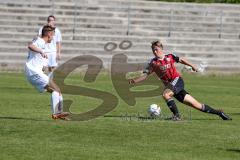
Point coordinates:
pixel 39 81
pixel 52 59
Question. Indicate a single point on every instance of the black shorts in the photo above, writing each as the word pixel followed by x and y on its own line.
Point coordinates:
pixel 177 86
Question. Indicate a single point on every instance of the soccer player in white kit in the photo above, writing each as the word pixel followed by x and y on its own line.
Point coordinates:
pixel 34 71
pixel 53 49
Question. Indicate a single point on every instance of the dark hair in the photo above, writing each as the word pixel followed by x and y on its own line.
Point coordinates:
pixel 46 29
pixel 51 16
pixel 157 43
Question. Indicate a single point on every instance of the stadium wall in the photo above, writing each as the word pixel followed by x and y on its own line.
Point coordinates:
pixel 203 33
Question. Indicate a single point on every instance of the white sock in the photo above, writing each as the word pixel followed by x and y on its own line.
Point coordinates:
pixel 55 101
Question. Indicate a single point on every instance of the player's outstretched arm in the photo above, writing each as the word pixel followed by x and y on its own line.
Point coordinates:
pixel 185 62
pixel 32 47
pixel 138 79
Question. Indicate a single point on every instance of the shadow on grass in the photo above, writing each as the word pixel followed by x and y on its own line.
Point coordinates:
pixel 127 116
pixel 21 118
pixel 205 119
pixel 165 118
pixel 113 116
pixel 234 113
pixel 233 150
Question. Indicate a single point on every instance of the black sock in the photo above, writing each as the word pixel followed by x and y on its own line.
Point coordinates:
pixel 172 106
pixel 208 109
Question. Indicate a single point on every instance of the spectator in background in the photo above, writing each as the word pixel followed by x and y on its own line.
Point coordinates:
pixel 53 49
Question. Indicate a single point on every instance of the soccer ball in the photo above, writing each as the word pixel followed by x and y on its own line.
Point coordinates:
pixel 154 110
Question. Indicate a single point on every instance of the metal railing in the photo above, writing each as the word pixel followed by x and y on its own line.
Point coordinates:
pixel 128 7
pixel 220 25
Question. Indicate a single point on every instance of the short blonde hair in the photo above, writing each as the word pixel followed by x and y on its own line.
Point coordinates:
pixel 46 29
pixel 157 43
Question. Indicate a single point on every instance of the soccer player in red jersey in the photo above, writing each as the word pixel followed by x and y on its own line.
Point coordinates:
pixel 163 65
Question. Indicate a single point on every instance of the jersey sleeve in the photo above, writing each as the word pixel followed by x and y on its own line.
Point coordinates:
pixel 37 43
pixel 175 57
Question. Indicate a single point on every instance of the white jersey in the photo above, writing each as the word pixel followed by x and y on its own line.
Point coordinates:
pixel 52 47
pixel 35 61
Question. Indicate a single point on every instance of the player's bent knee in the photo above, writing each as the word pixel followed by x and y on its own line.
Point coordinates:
pixel 48 89
pixel 166 96
pixel 54 86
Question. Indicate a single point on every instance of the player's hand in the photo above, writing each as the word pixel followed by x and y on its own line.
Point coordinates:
pixel 194 69
pixel 131 82
pixel 44 55
pixel 45 69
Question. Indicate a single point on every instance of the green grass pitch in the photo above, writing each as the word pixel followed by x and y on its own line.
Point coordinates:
pixel 27 131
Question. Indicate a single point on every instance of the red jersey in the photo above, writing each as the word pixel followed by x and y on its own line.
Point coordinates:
pixel 164 68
